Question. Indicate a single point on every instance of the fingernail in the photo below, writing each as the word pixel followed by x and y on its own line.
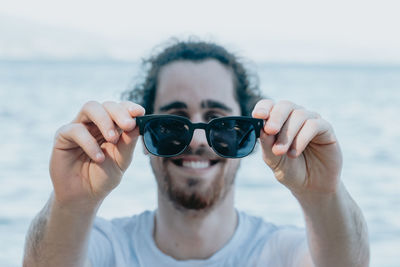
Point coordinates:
pixel 111 133
pixel 261 111
pixel 129 121
pixel 99 156
pixel 280 146
pixel 134 109
pixel 272 125
pixel 293 152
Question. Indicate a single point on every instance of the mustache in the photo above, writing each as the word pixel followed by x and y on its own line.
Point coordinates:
pixel 202 151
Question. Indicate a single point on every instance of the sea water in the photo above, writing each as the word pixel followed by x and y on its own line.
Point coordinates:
pixel 362 102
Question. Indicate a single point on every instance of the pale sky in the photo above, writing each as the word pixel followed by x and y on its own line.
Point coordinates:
pixel 310 30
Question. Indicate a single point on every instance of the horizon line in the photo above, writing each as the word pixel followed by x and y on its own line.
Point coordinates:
pixel 261 63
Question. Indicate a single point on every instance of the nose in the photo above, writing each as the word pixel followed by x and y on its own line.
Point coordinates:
pixel 199 139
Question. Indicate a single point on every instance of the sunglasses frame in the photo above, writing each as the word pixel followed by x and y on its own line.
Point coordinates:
pixel 142 120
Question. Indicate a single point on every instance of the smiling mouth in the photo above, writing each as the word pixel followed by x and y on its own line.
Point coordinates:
pixel 195 164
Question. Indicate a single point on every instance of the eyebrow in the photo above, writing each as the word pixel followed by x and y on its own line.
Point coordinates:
pixel 204 104
pixel 174 105
pixel 215 104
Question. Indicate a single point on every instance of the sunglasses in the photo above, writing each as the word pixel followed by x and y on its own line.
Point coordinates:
pixel 170 135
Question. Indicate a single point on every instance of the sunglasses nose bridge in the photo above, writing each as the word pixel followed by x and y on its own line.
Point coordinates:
pixel 198 136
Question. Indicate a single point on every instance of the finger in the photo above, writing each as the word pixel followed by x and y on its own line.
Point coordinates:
pixel 120 115
pixel 77 135
pixel 125 148
pixel 279 114
pixel 262 109
pixel 134 109
pixel 267 142
pixel 94 112
pixel 313 130
pixel 127 142
pixel 290 130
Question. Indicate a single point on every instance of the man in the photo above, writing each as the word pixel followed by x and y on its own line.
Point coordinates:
pixel 196 223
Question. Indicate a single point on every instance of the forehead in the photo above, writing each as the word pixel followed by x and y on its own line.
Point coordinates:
pixel 196 82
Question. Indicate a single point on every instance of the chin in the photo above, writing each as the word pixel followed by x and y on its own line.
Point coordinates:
pixel 196 193
pixel 194 190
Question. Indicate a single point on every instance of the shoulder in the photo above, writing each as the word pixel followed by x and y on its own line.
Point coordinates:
pixel 256 225
pixel 270 244
pixel 123 226
pixel 123 221
pixel 114 242
pixel 284 246
pixel 251 235
pixel 263 227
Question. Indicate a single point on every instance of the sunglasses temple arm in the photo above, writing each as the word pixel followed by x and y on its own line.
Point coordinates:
pixel 154 134
pixel 244 137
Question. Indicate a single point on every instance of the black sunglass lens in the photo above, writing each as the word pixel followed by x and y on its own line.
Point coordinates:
pixel 233 138
pixel 166 136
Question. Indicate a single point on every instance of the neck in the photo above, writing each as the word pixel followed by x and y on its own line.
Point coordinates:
pixel 187 234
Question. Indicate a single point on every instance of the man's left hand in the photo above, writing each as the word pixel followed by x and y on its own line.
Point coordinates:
pixel 300 147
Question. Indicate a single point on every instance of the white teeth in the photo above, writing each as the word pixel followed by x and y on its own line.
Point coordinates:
pixel 196 164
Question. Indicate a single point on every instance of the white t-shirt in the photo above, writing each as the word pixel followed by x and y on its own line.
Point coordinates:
pixel 129 242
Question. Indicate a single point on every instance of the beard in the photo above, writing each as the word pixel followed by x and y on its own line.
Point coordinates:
pixel 193 199
pixel 193 194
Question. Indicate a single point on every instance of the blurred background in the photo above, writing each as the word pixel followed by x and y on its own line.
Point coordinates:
pixel 339 58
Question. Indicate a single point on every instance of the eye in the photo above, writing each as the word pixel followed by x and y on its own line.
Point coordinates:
pixel 212 115
pixel 180 113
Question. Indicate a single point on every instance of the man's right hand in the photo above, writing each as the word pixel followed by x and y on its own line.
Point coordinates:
pixel 91 153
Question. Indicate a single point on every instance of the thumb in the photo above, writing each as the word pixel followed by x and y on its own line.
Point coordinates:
pixel 125 148
pixel 262 111
pixel 267 142
pixel 127 141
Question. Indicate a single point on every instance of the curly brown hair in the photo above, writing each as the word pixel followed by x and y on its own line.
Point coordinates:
pixel 246 84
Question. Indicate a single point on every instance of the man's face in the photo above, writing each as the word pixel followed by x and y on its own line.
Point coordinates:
pixel 197 179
